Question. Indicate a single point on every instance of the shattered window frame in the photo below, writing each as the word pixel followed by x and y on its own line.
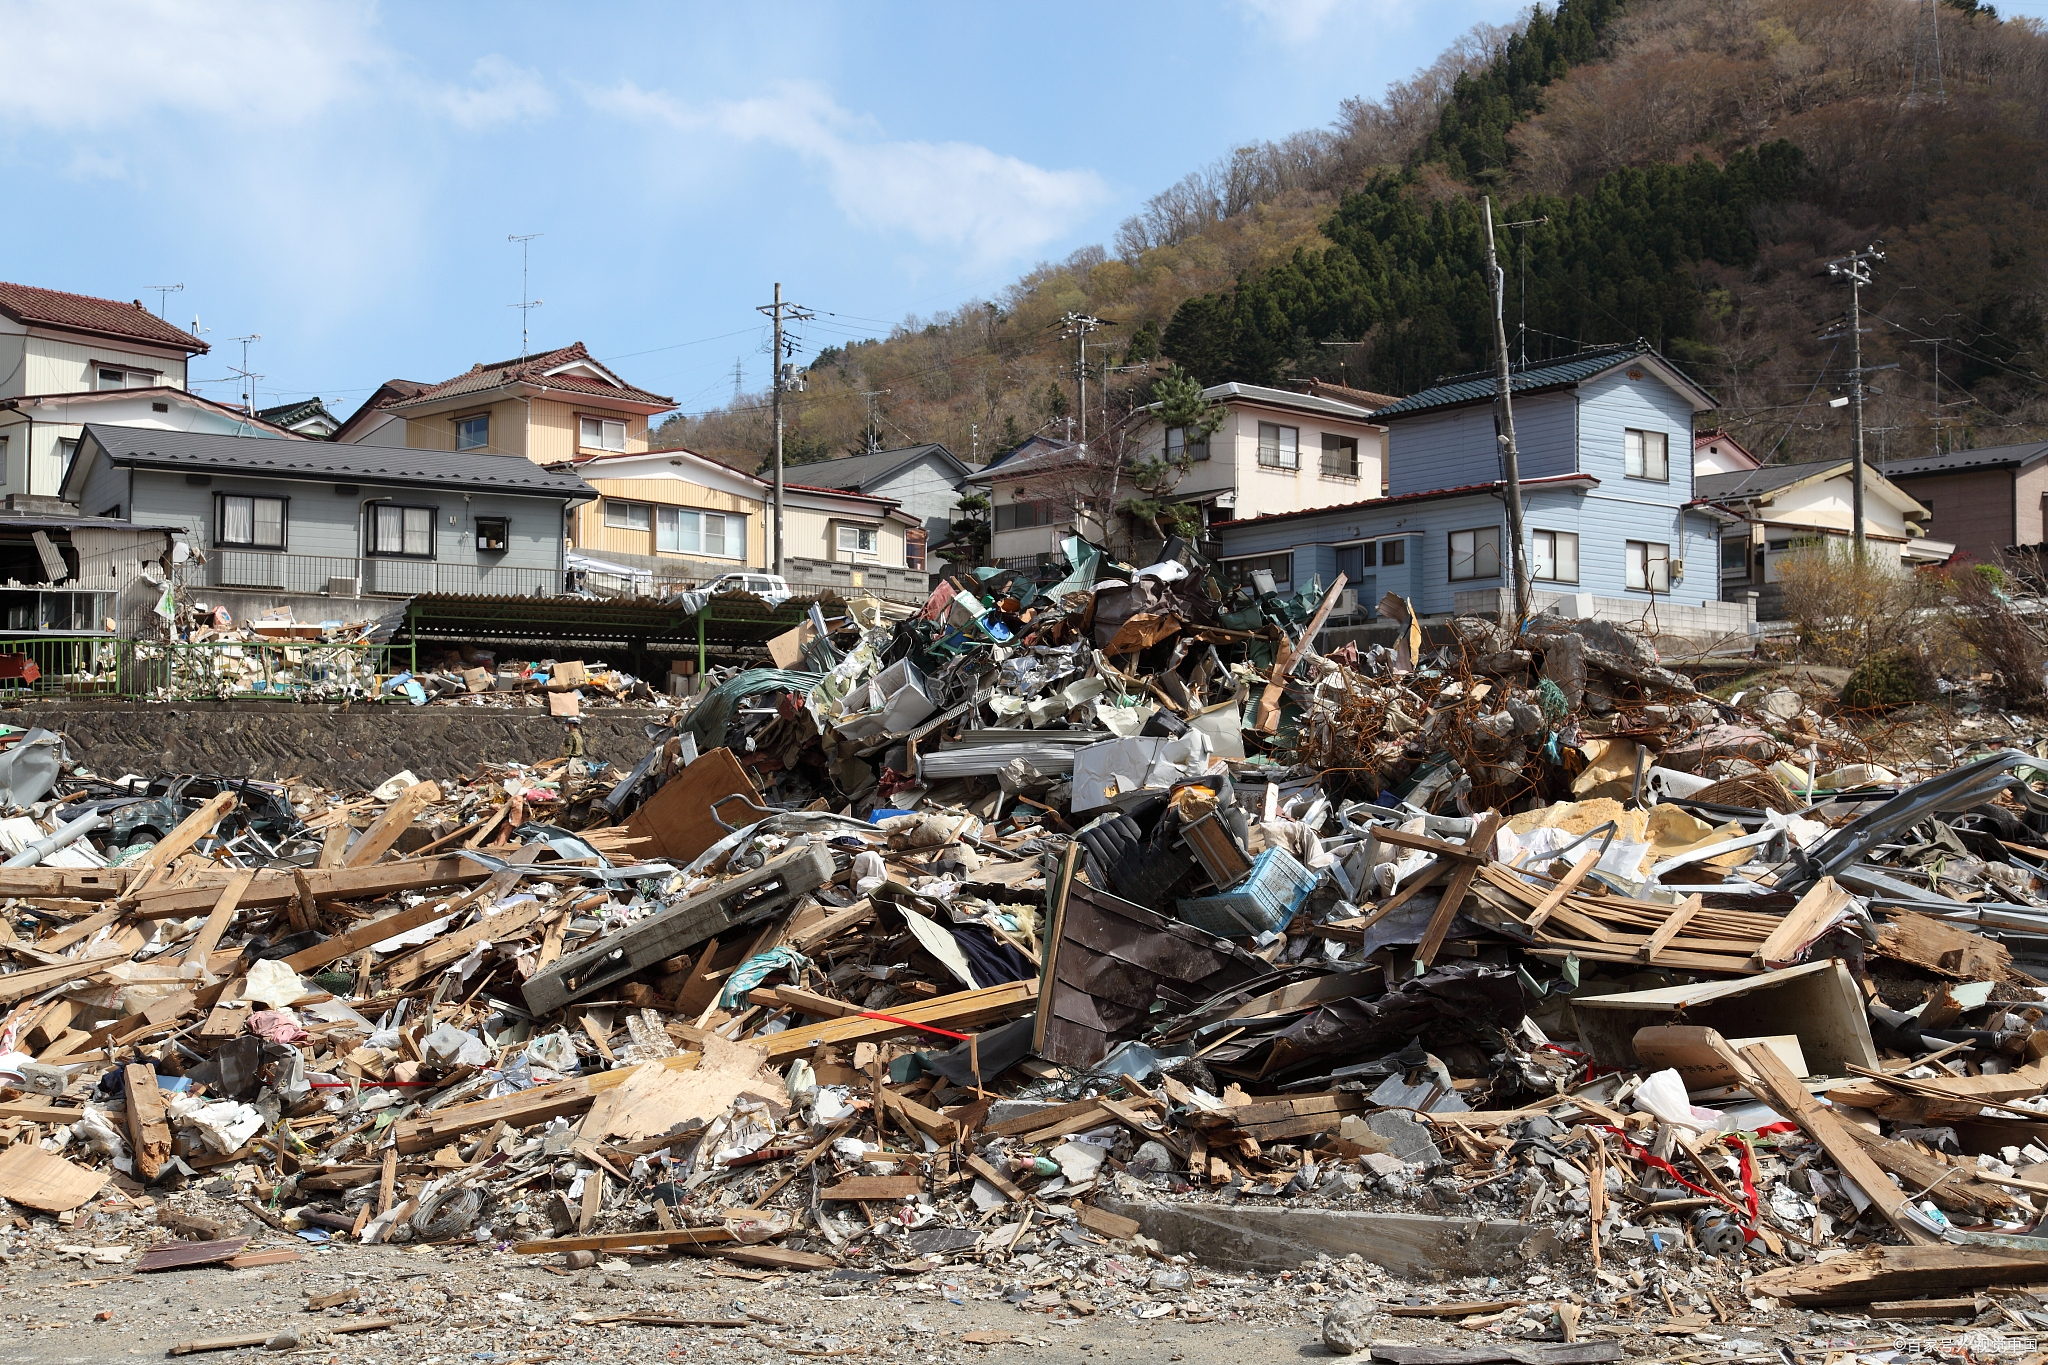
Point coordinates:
pixel 1279 447
pixel 1547 549
pixel 223 537
pixel 407 522
pixel 1479 541
pixel 1648 571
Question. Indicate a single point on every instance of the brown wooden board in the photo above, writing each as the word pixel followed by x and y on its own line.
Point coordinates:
pixel 1895 1272
pixel 882 1188
pixel 178 1255
pixel 43 1180
pixel 678 816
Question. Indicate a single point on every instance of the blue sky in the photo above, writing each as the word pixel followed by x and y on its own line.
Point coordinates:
pixel 342 178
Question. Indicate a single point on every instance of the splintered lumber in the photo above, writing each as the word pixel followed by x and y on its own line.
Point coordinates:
pixel 1944 949
pixel 1789 1097
pixel 396 819
pixel 543 1102
pixel 952 1012
pixel 747 899
pixel 217 920
pixel 242 1343
pixel 1109 1224
pixel 65 883
pixel 149 1128
pixel 273 888
pixel 1894 1272
pixel 1669 929
pixel 363 935
pixel 189 831
pixel 614 1241
pixel 802 1001
pixel 451 947
pixel 930 1122
pixel 1803 923
pixel 1026 1123
pixel 36 980
pixel 1567 884
pixel 880 1188
pixel 1454 895
pixel 1967 1306
pixel 1473 852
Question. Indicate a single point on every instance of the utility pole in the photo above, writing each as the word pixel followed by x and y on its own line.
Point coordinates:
pixel 1079 325
pixel 1855 268
pixel 1510 458
pixel 526 305
pixel 163 295
pixel 778 311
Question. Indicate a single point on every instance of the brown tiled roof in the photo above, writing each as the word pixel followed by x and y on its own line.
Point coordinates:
pixel 1365 398
pixel 533 369
pixel 83 313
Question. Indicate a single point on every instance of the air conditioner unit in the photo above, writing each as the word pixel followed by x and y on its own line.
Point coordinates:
pixel 1347 602
pixel 344 587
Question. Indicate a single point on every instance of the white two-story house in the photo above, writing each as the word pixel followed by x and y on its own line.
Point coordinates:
pixel 69 359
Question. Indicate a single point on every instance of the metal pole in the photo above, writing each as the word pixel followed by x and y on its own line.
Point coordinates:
pixel 1510 463
pixel 781 562
pixel 1081 377
pixel 1856 405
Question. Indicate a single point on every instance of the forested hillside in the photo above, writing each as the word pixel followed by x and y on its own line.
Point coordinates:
pixel 1684 169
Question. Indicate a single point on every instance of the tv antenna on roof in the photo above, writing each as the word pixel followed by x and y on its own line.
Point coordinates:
pixel 248 379
pixel 525 304
pixel 163 295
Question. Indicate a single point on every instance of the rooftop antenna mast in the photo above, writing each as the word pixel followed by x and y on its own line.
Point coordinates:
pixel 163 296
pixel 248 379
pixel 525 305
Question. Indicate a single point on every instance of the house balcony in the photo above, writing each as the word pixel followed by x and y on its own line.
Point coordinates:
pixel 365 576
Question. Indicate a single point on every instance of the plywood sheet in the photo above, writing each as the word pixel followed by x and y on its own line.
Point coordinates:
pixel 43 1180
pixel 678 816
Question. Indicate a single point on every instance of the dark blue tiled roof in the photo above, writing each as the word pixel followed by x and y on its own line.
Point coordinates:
pixel 1478 386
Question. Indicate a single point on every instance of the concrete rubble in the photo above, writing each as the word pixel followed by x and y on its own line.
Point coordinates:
pixel 1085 953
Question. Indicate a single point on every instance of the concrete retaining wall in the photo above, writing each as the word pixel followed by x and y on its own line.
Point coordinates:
pixel 1701 621
pixel 357 746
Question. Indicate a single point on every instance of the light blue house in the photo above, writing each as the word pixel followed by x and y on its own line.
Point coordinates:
pixel 1605 438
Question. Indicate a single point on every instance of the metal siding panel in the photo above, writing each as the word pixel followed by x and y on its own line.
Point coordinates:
pixel 1613 403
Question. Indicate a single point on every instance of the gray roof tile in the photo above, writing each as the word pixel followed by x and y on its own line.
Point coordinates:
pixel 325 462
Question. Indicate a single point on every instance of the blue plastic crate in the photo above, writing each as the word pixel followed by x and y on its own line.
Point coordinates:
pixel 1264 901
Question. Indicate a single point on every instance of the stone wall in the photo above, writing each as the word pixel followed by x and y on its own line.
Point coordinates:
pixel 344 747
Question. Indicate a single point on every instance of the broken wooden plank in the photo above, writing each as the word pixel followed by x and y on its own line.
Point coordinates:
pixel 273 888
pixel 178 1255
pixel 1803 923
pixel 149 1127
pixel 1669 929
pixel 363 935
pixel 952 1012
pixel 614 1241
pixel 1108 1224
pixel 1895 1272
pixel 1824 1126
pixel 395 820
pixel 218 919
pixel 880 1188
pixel 1454 894
pixel 1566 884
pixel 35 980
pixel 186 833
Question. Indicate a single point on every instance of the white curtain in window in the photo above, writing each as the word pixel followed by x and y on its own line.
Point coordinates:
pixel 269 521
pixel 714 533
pixel 237 521
pixel 419 530
pixel 390 533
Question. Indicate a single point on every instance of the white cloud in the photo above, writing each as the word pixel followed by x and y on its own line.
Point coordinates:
pixel 75 67
pixel 1292 21
pixel 958 194
pixel 503 93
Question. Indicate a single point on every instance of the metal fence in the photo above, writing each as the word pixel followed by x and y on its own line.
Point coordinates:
pixel 365 576
pixel 207 670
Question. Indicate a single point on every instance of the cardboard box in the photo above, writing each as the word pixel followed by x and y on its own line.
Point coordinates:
pixel 565 703
pixel 478 679
pixel 1817 1002
pixel 571 672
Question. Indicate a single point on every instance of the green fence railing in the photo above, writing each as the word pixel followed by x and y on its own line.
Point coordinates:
pixel 204 670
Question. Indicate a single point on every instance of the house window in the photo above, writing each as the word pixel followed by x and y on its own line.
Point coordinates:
pixel 1022 516
pixel 67 451
pixel 601 433
pixel 913 549
pixel 628 516
pixel 681 531
pixel 1279 447
pixel 1475 553
pixel 1649 566
pixel 857 540
pixel 1340 456
pixel 1645 455
pixel 1735 558
pixel 1354 560
pixel 1238 572
pixel 254 523
pixel 404 531
pixel 473 433
pixel 1393 552
pixel 110 378
pixel 493 535
pixel 1554 556
pixel 1179 447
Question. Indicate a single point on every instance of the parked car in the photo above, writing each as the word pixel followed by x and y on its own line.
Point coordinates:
pixel 770 588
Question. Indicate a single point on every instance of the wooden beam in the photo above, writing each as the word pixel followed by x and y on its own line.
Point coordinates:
pixel 149 1128
pixel 274 888
pixel 1567 884
pixel 1668 930
pixel 396 819
pixel 1454 894
pixel 953 1012
pixel 1822 902
pixel 218 919
pixel 188 832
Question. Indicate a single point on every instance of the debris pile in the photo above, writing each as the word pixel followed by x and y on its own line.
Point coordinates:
pixel 1116 919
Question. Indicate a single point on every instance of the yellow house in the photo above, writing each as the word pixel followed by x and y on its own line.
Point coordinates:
pixel 549 408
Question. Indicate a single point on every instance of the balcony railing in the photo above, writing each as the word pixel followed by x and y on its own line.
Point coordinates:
pixel 366 576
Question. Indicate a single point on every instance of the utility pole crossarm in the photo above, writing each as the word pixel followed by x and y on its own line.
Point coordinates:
pixel 778 311
pixel 1855 268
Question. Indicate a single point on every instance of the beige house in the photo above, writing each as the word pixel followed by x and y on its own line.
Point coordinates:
pixel 1775 511
pixel 680 516
pixel 1276 452
pixel 549 408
